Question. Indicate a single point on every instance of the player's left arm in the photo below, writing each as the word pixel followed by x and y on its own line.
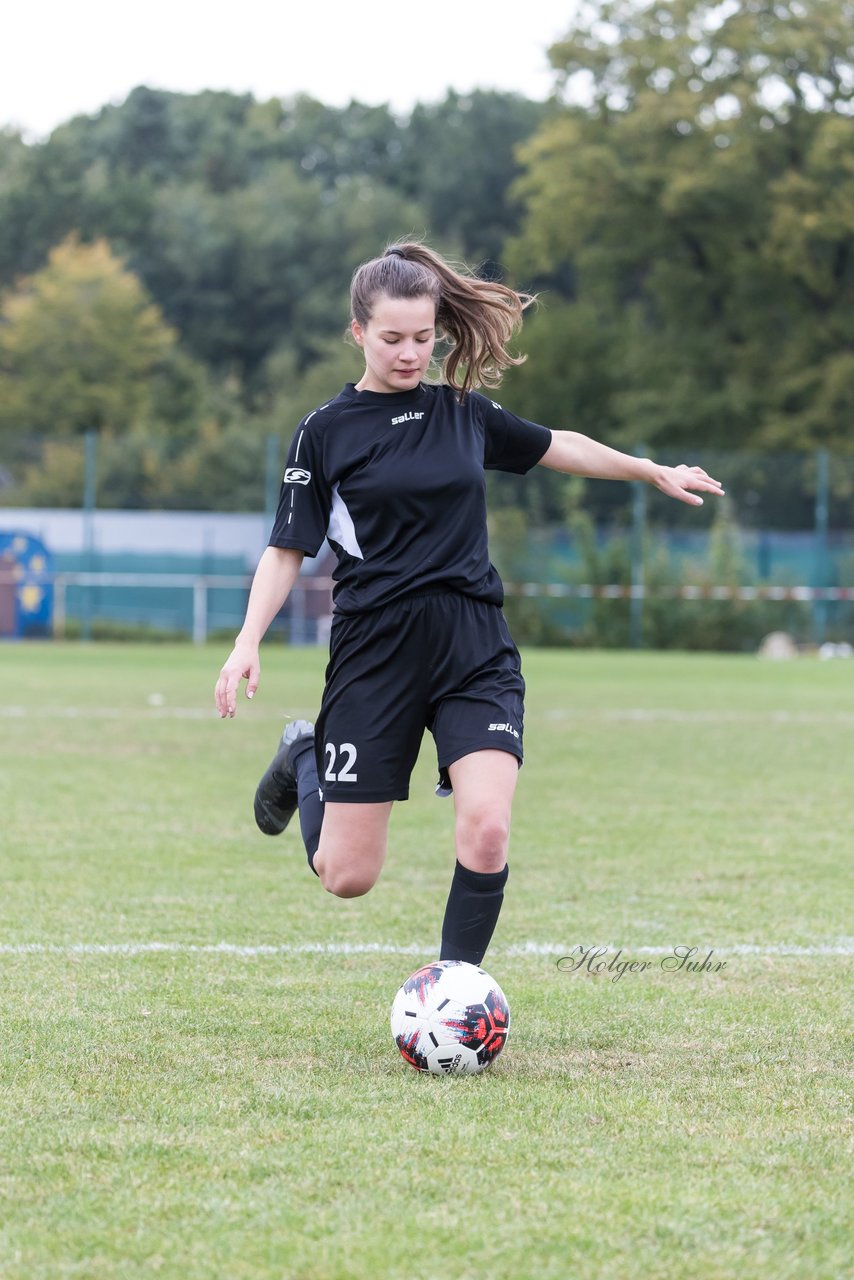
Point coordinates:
pixel 579 455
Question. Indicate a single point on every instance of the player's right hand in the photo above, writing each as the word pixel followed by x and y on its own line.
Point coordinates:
pixel 243 663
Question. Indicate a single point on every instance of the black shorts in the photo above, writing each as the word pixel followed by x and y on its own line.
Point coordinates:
pixel 441 662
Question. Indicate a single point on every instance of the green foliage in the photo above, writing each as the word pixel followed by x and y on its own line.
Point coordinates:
pixel 291 394
pixel 245 219
pixel 699 210
pixel 604 558
pixel 459 159
pixel 79 344
pixel 529 619
pixel 684 207
pixel 110 631
pixel 223 468
pixel 721 625
pixel 244 271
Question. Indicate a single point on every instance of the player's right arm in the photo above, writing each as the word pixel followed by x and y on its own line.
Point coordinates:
pixel 276 574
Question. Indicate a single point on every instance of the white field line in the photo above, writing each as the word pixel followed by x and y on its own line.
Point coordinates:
pixel 110 713
pixel 158 711
pixel 843 946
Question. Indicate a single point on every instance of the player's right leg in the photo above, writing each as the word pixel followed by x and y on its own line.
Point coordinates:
pixel 344 773
pixel 345 843
pixel 277 795
pixel 352 849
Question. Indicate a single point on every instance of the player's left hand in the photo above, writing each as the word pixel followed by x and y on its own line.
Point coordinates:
pixel 683 481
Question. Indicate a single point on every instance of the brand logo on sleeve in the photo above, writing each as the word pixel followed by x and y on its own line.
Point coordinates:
pixel 297 475
pixel 503 728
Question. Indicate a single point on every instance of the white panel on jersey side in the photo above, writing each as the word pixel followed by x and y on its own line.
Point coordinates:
pixel 341 528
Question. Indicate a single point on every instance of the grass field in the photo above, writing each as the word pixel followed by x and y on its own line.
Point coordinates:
pixel 197 1075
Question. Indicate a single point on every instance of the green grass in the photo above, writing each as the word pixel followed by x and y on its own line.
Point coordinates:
pixel 208 1114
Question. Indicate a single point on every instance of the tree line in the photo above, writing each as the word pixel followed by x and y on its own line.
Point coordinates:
pixel 173 270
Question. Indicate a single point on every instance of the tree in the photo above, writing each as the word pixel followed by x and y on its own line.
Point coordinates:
pixel 80 345
pixel 244 219
pixel 266 264
pixel 458 158
pixel 698 206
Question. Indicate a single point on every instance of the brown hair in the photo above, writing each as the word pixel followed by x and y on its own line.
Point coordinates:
pixel 478 317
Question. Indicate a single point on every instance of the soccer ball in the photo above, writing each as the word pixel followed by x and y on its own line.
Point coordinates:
pixel 450 1018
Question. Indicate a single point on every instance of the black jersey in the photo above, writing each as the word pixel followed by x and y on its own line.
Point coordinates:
pixel 396 483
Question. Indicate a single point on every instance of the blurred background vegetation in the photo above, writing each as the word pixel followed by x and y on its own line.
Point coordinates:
pixel 174 270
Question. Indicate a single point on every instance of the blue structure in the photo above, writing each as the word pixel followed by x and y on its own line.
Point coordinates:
pixel 26 586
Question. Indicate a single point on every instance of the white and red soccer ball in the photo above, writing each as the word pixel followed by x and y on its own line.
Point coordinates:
pixel 450 1018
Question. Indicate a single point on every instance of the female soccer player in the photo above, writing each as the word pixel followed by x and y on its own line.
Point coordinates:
pixel 391 472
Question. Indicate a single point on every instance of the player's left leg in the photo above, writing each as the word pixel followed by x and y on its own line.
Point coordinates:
pixel 478 696
pixel 483 783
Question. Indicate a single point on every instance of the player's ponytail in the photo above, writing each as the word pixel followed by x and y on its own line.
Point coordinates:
pixel 477 317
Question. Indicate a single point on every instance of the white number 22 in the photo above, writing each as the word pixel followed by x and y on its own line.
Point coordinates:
pixel 344 774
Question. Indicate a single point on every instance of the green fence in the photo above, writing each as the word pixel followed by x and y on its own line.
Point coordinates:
pixel 628 567
pixel 584 562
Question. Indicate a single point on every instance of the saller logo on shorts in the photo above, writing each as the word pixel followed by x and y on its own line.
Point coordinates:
pixel 297 475
pixel 505 728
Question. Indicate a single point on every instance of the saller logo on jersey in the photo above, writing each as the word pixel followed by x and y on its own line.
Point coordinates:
pixel 297 475
pixel 503 728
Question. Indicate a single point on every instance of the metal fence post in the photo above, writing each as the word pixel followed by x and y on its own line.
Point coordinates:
pixel 200 611
pixel 90 444
pixel 821 568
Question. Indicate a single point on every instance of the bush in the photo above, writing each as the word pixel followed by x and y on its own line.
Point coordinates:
pixel 665 618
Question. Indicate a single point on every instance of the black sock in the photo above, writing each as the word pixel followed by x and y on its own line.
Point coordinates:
pixel 472 913
pixel 308 799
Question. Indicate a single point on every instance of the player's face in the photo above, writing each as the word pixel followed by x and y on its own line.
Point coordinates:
pixel 398 342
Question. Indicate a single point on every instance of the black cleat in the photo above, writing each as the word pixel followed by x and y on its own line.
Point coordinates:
pixel 276 797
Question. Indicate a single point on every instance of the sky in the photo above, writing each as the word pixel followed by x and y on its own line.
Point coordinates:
pixel 59 60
